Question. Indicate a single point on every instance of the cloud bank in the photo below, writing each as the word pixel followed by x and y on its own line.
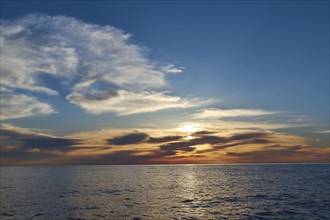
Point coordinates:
pixel 99 66
pixel 20 146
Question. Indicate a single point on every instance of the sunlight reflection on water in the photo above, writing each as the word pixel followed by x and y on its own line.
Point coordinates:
pixel 166 192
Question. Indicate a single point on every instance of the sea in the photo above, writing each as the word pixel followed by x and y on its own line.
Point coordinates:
pixel 276 191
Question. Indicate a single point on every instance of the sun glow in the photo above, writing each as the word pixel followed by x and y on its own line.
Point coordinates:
pixel 189 137
pixel 188 128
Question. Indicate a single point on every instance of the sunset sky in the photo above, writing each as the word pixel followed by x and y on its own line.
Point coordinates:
pixel 97 82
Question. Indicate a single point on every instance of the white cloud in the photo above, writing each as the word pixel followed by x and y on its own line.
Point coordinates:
pixel 324 132
pixel 124 102
pixel 233 125
pixel 20 105
pixel 224 113
pixel 66 47
pixel 170 68
pixel 85 58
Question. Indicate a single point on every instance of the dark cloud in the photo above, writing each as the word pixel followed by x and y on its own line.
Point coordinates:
pixel 133 138
pixel 221 147
pixel 207 139
pixel 9 134
pixel 249 135
pixel 182 145
pixel 253 137
pixel 101 95
pixel 270 153
pixel 260 141
pixel 120 157
pixel 164 139
pixel 217 143
pixel 47 143
pixel 18 147
pixel 198 133
pixel 33 140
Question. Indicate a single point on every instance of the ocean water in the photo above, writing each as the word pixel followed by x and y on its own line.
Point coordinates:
pixel 166 192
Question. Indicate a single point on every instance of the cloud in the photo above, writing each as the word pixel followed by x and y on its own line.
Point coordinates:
pixel 48 143
pixel 199 133
pixel 282 154
pixel 216 125
pixel 324 132
pixel 124 102
pixel 117 157
pixel 249 135
pixel 213 113
pixel 170 68
pixel 99 66
pixel 214 141
pixel 66 47
pixel 19 105
pixel 127 139
pixel 268 153
pixel 21 146
pixel 26 140
pixel 182 145
pixel 164 139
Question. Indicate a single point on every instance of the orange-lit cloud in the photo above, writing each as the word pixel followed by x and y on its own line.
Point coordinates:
pixel 24 147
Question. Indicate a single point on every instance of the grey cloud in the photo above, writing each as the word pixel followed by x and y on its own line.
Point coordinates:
pixel 249 135
pixel 101 95
pixel 22 146
pixel 28 141
pixel 209 139
pixel 199 133
pixel 121 157
pixel 217 143
pixel 214 141
pixel 128 139
pixel 270 153
pixel 184 146
pixel 164 139
pixel 46 143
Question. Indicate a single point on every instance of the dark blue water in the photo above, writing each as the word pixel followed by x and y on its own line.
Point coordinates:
pixel 166 192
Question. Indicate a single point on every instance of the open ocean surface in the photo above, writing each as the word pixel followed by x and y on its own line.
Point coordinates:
pixel 166 192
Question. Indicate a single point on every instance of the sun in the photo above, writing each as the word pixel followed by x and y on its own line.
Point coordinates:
pixel 188 128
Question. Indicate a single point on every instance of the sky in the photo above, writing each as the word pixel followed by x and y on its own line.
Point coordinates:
pixel 164 82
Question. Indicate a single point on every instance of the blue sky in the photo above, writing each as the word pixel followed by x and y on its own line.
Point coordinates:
pixel 260 62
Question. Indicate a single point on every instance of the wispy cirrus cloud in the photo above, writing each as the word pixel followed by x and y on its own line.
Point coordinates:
pixel 66 47
pixel 125 102
pixel 15 105
pixel 214 113
pixel 87 59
